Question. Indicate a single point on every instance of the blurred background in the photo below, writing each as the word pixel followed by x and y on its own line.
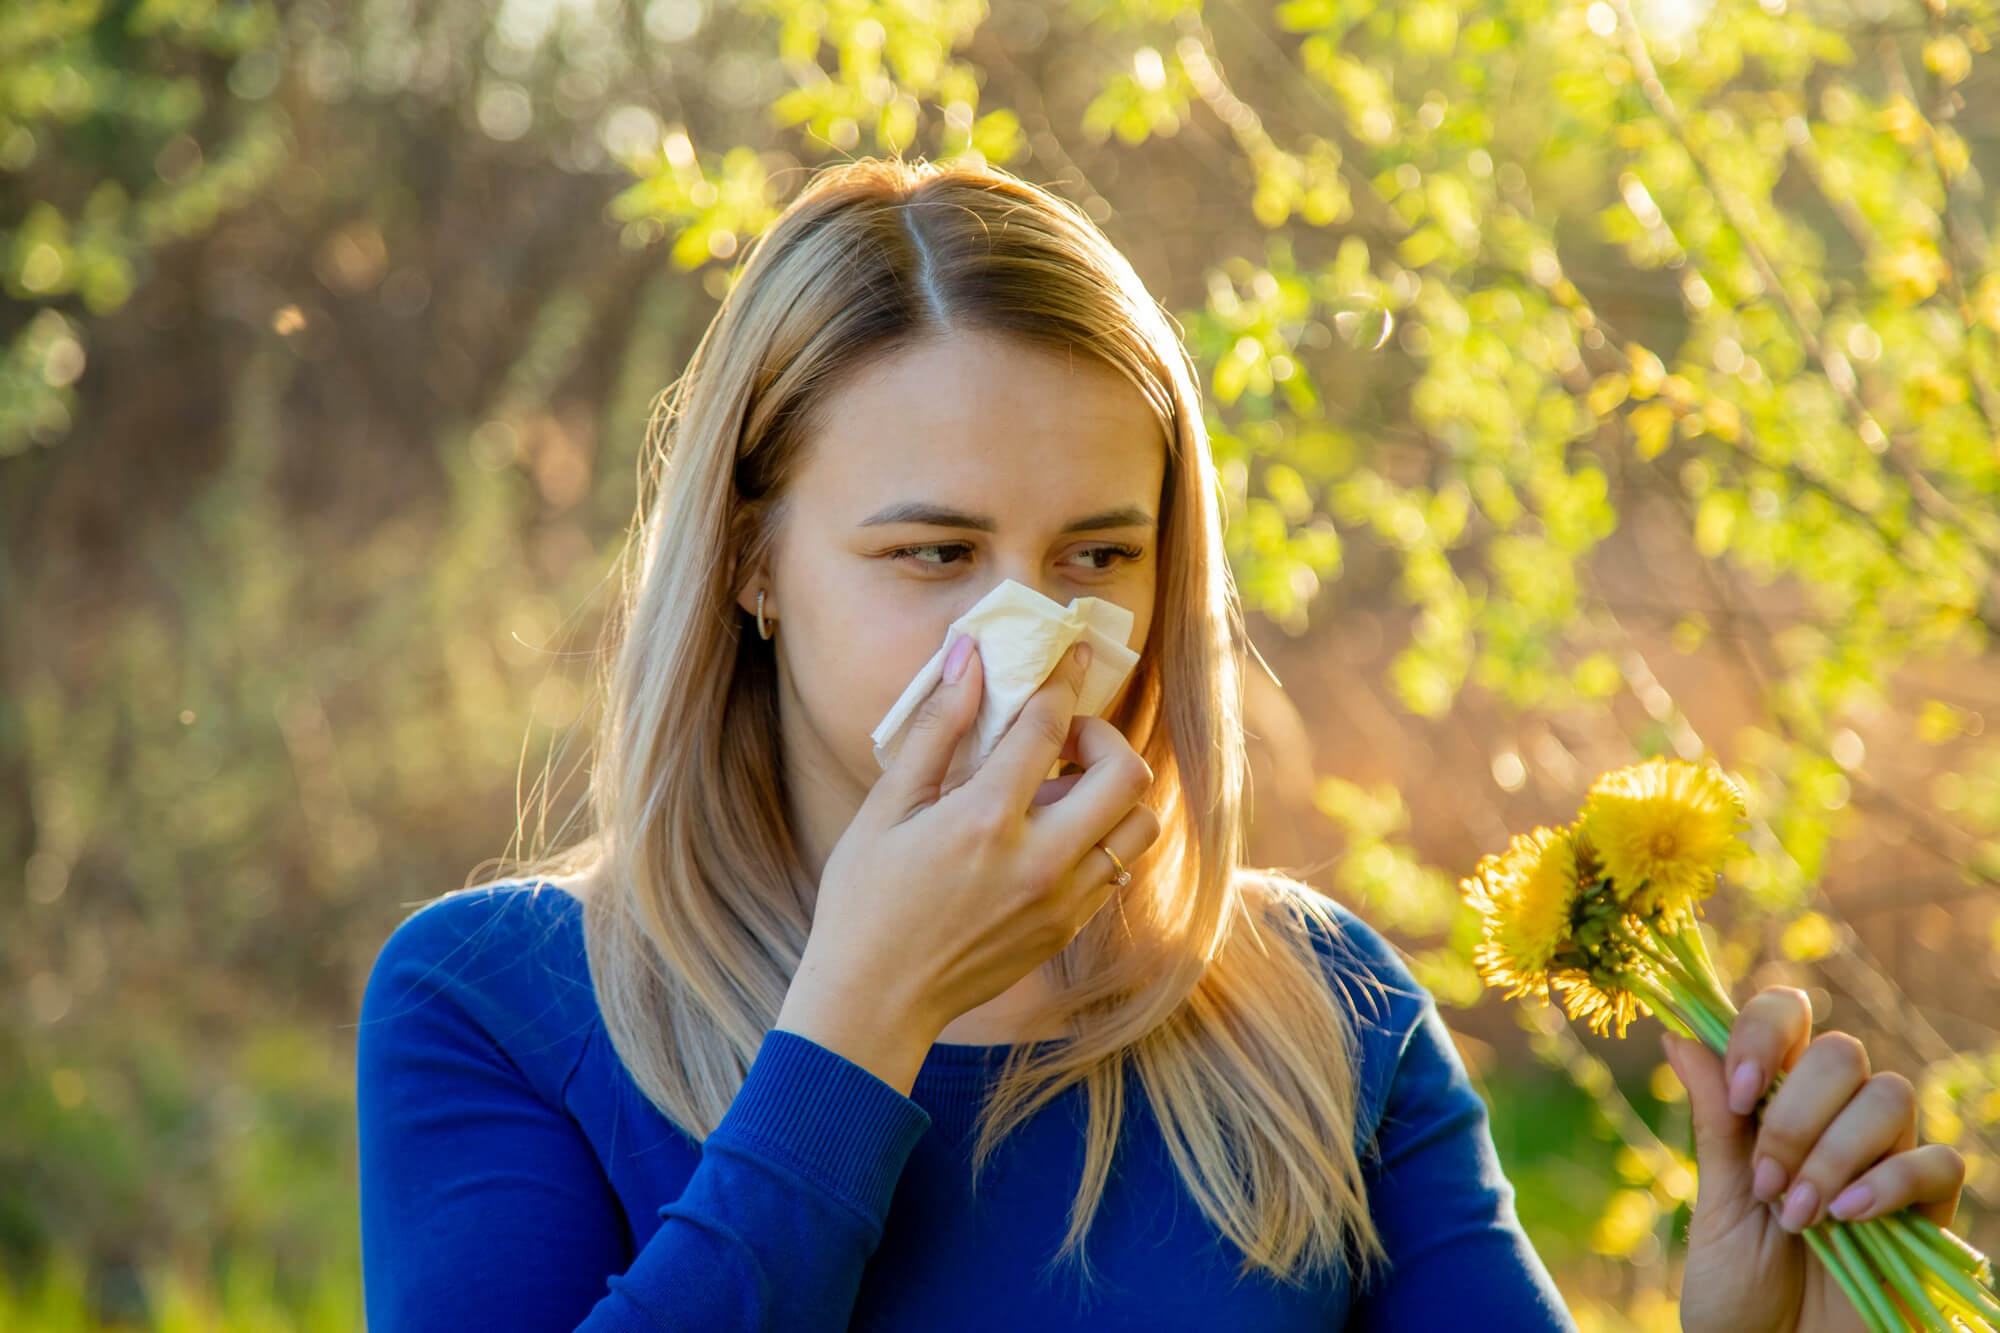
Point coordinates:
pixel 1590 380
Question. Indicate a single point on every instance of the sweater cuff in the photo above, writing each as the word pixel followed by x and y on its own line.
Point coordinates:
pixel 826 1118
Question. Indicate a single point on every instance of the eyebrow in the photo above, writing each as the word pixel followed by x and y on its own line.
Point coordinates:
pixel 941 516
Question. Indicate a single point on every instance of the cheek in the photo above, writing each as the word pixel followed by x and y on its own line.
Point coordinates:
pixel 849 678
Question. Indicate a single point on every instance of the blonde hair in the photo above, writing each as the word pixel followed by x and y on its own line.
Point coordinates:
pixel 696 906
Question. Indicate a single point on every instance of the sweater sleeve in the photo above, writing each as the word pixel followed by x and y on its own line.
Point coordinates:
pixel 483 1204
pixel 1444 1208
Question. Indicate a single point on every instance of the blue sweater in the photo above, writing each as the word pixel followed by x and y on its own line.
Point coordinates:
pixel 513 1177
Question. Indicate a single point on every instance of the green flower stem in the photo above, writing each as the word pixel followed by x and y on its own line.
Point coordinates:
pixel 1656 943
pixel 1697 949
pixel 1925 1244
pixel 1947 1244
pixel 1682 993
pixel 1927 1260
pixel 1716 1031
pixel 1958 1316
pixel 1955 1314
pixel 1665 999
pixel 1718 1026
pixel 1866 1282
pixel 1699 979
pixel 1969 1293
pixel 1926 1267
pixel 1693 1007
pixel 1856 1292
pixel 1676 1024
pixel 1674 938
pixel 1889 1258
pixel 1713 999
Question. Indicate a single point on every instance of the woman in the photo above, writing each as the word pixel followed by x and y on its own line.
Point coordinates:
pixel 792 1042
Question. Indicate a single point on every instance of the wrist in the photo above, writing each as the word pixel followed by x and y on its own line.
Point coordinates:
pixel 881 1035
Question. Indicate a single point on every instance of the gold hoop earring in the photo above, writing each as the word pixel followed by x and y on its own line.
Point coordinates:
pixel 762 631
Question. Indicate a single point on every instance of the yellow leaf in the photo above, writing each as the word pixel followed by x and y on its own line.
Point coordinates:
pixel 1421 246
pixel 1652 426
pixel 1952 155
pixel 997 135
pixel 1689 633
pixel 1607 393
pixel 897 125
pixel 1808 936
pixel 1724 421
pixel 1937 722
pixel 1986 301
pixel 1903 121
pixel 1912 272
pixel 1625 1224
pixel 1598 676
pixel 1648 374
pixel 1948 58
pixel 1714 523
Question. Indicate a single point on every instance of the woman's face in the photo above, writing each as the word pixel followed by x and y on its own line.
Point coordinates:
pixel 952 465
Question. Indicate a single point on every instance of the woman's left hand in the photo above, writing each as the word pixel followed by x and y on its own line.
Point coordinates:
pixel 1834 1137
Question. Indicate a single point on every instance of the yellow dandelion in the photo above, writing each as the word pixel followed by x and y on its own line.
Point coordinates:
pixel 1661 830
pixel 1601 1001
pixel 1523 896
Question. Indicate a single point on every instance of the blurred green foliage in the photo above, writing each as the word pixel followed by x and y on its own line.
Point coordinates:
pixel 1630 371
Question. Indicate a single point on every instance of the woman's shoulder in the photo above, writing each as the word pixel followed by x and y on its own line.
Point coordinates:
pixel 1395 1020
pixel 507 956
pixel 1385 997
pixel 488 926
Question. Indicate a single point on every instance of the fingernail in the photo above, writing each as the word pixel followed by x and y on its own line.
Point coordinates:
pixel 1744 1085
pixel 1769 1181
pixel 1852 1201
pixel 954 661
pixel 1083 655
pixel 1800 1205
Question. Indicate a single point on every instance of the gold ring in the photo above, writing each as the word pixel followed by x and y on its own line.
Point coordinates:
pixel 1124 876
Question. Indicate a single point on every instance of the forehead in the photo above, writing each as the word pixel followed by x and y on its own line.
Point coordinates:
pixel 984 419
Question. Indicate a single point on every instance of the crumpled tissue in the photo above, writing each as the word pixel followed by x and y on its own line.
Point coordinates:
pixel 1021 635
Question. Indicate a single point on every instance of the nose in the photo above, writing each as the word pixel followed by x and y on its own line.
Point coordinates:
pixel 1025 575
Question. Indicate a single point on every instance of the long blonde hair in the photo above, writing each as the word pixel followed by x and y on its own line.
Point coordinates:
pixel 696 906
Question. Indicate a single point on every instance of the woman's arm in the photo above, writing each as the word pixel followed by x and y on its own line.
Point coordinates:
pixel 484 1206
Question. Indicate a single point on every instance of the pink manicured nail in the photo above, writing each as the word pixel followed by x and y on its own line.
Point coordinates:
pixel 1852 1201
pixel 954 661
pixel 1800 1205
pixel 1768 1182
pixel 1744 1085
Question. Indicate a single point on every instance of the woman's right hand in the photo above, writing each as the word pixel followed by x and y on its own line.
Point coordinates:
pixel 932 903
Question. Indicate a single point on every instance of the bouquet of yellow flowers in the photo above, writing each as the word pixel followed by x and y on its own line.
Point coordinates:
pixel 1603 912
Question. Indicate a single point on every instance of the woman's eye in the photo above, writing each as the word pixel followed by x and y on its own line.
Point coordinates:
pixel 919 555
pixel 1121 552
pixel 909 553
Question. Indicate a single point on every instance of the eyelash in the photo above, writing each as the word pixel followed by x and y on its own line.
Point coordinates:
pixel 903 553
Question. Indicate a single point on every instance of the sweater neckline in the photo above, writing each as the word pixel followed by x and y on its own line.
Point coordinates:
pixel 964 1055
pixel 955 1079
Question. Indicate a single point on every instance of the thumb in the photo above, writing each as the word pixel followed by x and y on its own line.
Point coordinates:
pixel 946 714
pixel 1722 1139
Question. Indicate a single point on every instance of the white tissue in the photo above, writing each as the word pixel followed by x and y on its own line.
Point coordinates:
pixel 1021 636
